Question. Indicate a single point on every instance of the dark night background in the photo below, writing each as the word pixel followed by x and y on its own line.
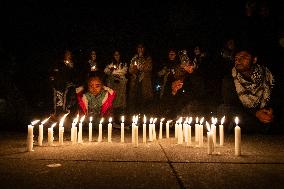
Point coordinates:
pixel 34 32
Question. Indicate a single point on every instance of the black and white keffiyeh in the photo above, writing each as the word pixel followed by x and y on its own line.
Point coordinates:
pixel 255 92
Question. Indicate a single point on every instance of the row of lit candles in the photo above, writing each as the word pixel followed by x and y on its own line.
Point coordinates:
pixel 182 131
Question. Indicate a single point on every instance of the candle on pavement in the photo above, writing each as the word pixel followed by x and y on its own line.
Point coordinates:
pixel 40 131
pixel 196 127
pixel 122 129
pixel 168 128
pixel 50 137
pixel 189 131
pixel 30 137
pixel 161 128
pixel 61 129
pixel 237 138
pixel 221 131
pixel 210 143
pixel 109 126
pixel 100 137
pixel 201 132
pixel 91 129
pixel 144 129
pixel 80 132
pixel 150 129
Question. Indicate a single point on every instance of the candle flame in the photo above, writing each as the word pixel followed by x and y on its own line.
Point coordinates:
pixel 110 119
pixel 44 121
pixel 144 119
pixel 208 126
pixel 237 120
pixel 62 120
pixel 53 125
pixel 162 119
pixel 196 120
pixel 189 120
pixel 151 120
pixel 215 120
pixel 82 118
pixel 179 120
pixel 75 120
pixel 169 121
pixel 222 120
pixel 91 119
pixel 154 121
pixel 102 120
pixel 201 120
pixel 34 122
pixel 122 119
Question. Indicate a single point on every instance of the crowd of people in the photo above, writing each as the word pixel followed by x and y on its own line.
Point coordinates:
pixel 186 83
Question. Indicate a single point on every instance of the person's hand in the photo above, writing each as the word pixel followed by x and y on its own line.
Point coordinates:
pixel 176 85
pixel 265 115
pixel 188 68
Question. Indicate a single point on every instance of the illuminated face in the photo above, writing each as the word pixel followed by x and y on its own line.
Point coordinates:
pixel 116 56
pixel 95 86
pixel 68 55
pixel 93 55
pixel 197 51
pixel 172 55
pixel 140 50
pixel 243 61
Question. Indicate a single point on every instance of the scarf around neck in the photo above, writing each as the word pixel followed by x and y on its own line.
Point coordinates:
pixel 256 91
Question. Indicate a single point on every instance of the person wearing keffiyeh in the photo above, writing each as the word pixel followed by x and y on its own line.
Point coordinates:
pixel 248 93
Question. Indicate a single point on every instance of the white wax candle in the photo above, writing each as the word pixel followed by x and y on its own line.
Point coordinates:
pixel 213 129
pixel 189 135
pixel 136 135
pixel 100 137
pixel 50 136
pixel 80 133
pixel 210 142
pixel 185 131
pixel 221 131
pixel 168 129
pixel 200 135
pixel 132 132
pixel 180 133
pixel 109 126
pixel 237 138
pixel 61 133
pixel 75 136
pixel 196 127
pixel 144 133
pixel 221 135
pixel 150 130
pixel 90 132
pixel 161 130
pixel 176 130
pixel 30 138
pixel 122 130
pixel 40 134
pixel 154 129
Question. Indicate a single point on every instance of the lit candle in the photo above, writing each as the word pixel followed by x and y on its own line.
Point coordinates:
pixel 168 128
pixel 189 131
pixel 132 129
pixel 40 131
pixel 161 129
pixel 91 129
pixel 201 132
pixel 180 133
pixel 30 137
pixel 122 129
pixel 80 132
pixel 213 129
pixel 150 130
pixel 154 129
pixel 100 137
pixel 221 131
pixel 61 129
pixel 210 143
pixel 50 137
pixel 237 138
pixel 185 129
pixel 196 127
pixel 136 135
pixel 144 129
pixel 109 128
pixel 74 130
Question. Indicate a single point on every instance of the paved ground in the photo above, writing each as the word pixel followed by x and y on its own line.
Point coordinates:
pixel 159 164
